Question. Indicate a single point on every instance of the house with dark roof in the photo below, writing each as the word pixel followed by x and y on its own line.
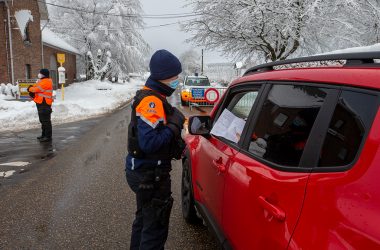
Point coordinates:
pixel 26 45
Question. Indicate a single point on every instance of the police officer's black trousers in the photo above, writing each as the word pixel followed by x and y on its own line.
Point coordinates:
pixel 154 202
pixel 44 115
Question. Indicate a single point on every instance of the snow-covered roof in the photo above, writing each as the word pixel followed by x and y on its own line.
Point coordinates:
pixel 49 38
pixel 371 48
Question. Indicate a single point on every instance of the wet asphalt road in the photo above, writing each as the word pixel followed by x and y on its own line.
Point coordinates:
pixel 75 195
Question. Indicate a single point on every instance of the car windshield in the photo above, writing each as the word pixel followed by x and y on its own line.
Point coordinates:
pixel 196 81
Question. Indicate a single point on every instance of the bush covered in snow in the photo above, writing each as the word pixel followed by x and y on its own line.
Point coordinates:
pixel 9 91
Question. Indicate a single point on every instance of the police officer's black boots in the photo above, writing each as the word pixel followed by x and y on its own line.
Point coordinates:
pixel 45 139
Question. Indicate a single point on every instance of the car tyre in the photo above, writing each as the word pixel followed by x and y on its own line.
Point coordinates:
pixel 188 205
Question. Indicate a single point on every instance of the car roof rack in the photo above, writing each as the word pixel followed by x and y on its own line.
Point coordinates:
pixel 351 59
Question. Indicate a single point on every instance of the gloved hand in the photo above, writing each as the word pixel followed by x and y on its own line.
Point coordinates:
pixel 175 122
pixel 31 94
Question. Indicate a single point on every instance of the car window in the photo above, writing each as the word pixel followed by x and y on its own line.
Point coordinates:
pixel 242 104
pixel 234 114
pixel 194 81
pixel 352 118
pixel 285 122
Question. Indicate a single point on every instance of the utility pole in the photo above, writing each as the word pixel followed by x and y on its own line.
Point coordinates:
pixel 42 46
pixel 202 64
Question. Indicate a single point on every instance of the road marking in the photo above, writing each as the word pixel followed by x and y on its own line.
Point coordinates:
pixel 7 173
pixel 15 164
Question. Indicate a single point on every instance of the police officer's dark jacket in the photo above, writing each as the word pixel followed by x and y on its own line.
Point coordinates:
pixel 149 140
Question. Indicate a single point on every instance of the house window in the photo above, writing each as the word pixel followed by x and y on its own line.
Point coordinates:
pixel 28 71
pixel 27 33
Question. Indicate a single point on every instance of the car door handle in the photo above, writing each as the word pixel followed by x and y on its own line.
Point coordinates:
pixel 278 213
pixel 219 165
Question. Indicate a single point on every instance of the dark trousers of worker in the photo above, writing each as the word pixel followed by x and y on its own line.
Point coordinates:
pixel 44 115
pixel 152 186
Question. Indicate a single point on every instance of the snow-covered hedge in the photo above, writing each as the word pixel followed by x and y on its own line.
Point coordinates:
pixel 8 91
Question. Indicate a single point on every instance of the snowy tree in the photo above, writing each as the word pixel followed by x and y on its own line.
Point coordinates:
pixel 190 61
pixel 109 25
pixel 95 70
pixel 277 29
pixel 339 24
pixel 372 7
pixel 221 72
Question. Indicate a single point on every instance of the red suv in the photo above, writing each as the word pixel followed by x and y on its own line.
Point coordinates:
pixel 290 158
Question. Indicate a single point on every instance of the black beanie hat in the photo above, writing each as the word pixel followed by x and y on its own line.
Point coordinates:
pixel 164 65
pixel 45 72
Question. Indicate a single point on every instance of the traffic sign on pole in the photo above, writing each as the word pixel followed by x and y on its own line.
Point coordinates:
pixel 61 58
pixel 62 80
pixel 212 95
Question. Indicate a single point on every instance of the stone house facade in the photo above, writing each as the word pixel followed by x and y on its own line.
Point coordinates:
pixel 25 49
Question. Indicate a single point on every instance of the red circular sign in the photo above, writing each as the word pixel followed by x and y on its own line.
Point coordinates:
pixel 212 95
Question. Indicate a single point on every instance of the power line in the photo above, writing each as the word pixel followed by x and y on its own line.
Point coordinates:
pixel 154 16
pixel 147 27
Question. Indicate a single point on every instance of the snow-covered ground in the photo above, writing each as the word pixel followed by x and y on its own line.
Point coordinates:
pixel 82 100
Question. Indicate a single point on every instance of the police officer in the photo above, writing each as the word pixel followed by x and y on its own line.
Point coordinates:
pixel 154 139
pixel 42 94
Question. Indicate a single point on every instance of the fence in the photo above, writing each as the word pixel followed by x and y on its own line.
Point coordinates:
pixel 205 96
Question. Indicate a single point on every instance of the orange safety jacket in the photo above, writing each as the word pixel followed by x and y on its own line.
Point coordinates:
pixel 43 89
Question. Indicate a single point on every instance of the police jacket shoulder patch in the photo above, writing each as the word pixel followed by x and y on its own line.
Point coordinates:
pixel 151 111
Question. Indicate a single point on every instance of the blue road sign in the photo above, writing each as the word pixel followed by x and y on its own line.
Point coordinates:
pixel 198 93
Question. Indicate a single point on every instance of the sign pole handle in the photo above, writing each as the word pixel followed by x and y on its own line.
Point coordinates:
pixel 63 91
pixel 63 85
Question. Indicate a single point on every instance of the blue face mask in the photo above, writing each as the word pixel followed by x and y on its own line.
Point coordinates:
pixel 174 84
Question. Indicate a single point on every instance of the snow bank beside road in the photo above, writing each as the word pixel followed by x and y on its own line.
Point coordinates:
pixel 82 100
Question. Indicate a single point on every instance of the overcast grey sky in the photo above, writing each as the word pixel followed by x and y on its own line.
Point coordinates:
pixel 171 37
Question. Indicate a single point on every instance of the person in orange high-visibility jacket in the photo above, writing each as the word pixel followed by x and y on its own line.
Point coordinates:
pixel 42 94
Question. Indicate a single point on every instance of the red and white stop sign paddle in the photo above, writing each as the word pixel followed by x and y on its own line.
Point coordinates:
pixel 211 95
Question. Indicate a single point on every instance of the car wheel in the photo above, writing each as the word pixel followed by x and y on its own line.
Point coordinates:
pixel 188 210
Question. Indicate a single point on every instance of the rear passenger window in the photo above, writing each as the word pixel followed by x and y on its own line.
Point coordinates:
pixel 285 122
pixel 352 118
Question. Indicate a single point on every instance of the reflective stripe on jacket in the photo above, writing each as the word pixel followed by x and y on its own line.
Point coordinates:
pixel 43 89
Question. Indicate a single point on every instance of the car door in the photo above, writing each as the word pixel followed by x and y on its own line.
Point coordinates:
pixel 343 199
pixel 216 153
pixel 266 182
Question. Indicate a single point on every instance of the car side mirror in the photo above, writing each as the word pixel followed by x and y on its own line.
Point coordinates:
pixel 199 125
